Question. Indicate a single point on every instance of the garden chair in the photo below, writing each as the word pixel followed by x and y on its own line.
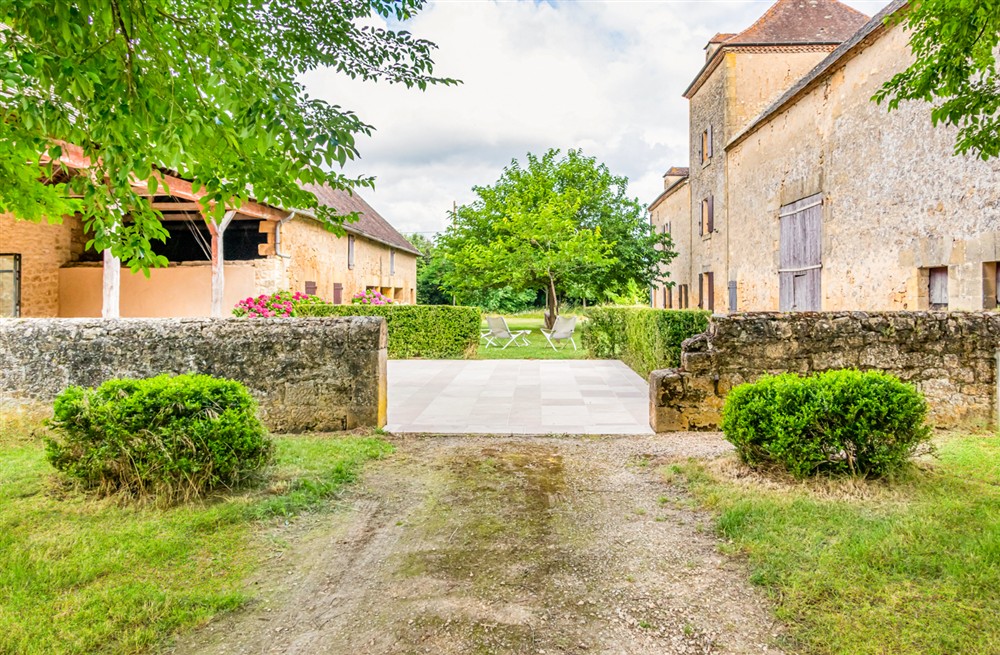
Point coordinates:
pixel 561 330
pixel 499 332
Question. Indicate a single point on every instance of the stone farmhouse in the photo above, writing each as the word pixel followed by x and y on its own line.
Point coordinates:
pixel 802 194
pixel 46 271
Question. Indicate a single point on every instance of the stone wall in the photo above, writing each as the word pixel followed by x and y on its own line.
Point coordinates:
pixel 43 248
pixel 950 357
pixel 309 374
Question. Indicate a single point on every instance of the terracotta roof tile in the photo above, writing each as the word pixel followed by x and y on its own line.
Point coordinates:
pixel 370 223
pixel 803 21
pixel 677 170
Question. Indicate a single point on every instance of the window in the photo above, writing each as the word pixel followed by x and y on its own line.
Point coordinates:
pixel 392 262
pixel 682 297
pixel 338 293
pixel 668 298
pixel 706 291
pixel 310 288
pixel 707 216
pixel 991 285
pixel 350 251
pixel 10 286
pixel 937 287
pixel 706 145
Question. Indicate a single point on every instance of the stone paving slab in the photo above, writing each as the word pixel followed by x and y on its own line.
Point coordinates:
pixel 517 396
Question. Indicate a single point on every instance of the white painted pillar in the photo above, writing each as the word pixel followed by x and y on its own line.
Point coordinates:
pixel 217 231
pixel 111 306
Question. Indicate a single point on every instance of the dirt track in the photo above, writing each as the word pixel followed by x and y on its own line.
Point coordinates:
pixel 507 545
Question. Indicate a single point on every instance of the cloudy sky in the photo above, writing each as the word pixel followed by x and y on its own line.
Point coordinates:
pixel 603 76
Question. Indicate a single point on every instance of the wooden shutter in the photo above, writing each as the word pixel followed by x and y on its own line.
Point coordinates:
pixel 711 214
pixel 801 255
pixel 701 291
pixel 338 293
pixel 710 291
pixel 711 149
pixel 732 295
pixel 668 298
pixel 350 251
pixel 938 287
pixel 703 218
pixel 311 288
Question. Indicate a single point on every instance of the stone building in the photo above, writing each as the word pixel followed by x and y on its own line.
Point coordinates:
pixel 46 271
pixel 806 195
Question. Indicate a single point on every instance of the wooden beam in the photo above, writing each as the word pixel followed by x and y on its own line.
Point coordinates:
pixel 217 231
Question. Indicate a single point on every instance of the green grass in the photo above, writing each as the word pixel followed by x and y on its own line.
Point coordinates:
pixel 539 348
pixel 910 566
pixel 81 575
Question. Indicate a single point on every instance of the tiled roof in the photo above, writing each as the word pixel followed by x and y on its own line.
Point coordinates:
pixel 822 67
pixel 677 170
pixel 721 36
pixel 370 223
pixel 802 21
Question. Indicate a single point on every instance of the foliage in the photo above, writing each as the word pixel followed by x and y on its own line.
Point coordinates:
pixel 428 331
pixel 955 68
pixel 561 225
pixel 907 566
pixel 538 347
pixel 646 339
pixel 502 300
pixel 429 272
pixel 78 576
pixel 278 304
pixel 371 297
pixel 865 424
pixel 172 438
pixel 208 89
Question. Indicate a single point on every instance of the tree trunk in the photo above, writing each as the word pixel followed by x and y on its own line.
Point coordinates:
pixel 553 304
pixel 110 307
pixel 217 231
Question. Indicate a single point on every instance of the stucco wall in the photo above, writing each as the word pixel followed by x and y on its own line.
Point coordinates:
pixel 949 357
pixel 308 374
pixel 896 200
pixel 43 248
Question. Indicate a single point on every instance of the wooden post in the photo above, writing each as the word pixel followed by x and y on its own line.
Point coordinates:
pixel 217 230
pixel 111 306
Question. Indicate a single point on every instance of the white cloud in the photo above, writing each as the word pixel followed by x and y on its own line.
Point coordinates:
pixel 604 76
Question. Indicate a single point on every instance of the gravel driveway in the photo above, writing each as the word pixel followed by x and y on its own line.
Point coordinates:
pixel 507 545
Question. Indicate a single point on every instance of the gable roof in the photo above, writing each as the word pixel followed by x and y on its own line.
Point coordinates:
pixel 797 25
pixel 802 21
pixel 675 171
pixel 370 223
pixel 841 53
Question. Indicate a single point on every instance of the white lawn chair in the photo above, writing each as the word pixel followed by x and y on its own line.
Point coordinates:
pixel 561 331
pixel 499 332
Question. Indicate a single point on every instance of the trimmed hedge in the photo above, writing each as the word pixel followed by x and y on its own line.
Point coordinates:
pixel 172 438
pixel 844 422
pixel 428 331
pixel 644 338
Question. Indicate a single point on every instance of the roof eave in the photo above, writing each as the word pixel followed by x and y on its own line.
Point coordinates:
pixel 669 191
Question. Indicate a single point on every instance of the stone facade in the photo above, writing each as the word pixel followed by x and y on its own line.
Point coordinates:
pixel 43 249
pixel 674 201
pixel 897 205
pixel 950 357
pixel 316 374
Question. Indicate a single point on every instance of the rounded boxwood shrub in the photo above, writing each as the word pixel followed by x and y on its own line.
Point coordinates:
pixel 172 438
pixel 865 424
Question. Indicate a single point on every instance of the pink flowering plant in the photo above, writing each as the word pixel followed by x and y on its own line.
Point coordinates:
pixel 278 304
pixel 371 297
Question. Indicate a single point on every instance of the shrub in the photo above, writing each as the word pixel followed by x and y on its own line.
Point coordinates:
pixel 371 297
pixel 646 339
pixel 430 331
pixel 278 304
pixel 170 437
pixel 865 424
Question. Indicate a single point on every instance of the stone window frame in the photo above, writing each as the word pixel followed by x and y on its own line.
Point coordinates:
pixel 707 149
pixel 15 273
pixel 991 285
pixel 707 222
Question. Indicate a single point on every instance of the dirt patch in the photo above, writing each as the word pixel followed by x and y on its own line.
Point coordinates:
pixel 507 545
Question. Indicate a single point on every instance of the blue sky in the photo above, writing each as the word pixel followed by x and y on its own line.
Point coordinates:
pixel 604 76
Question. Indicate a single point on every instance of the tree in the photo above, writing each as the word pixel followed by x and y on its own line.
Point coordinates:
pixel 207 89
pixel 556 224
pixel 429 272
pixel 954 44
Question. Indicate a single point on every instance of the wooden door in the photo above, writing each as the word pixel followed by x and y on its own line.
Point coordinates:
pixel 801 255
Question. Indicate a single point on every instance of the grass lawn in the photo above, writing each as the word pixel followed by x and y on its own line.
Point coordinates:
pixel 907 567
pixel 81 575
pixel 539 348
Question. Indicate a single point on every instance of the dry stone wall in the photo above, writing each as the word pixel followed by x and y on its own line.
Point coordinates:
pixel 309 374
pixel 951 357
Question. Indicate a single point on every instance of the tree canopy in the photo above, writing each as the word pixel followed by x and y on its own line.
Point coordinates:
pixel 562 224
pixel 955 68
pixel 206 89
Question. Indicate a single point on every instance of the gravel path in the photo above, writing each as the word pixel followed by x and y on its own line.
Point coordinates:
pixel 507 545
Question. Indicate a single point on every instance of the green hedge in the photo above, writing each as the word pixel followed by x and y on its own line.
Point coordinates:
pixel 171 438
pixel 428 331
pixel 840 422
pixel 646 339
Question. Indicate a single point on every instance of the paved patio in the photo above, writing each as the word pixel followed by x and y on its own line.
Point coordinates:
pixel 517 397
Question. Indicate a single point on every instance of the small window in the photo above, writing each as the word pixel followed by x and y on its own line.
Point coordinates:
pixel 732 295
pixel 937 287
pixel 991 285
pixel 707 216
pixel 310 288
pixel 10 286
pixel 338 293
pixel 683 300
pixel 706 145
pixel 350 251
pixel 392 262
pixel 668 297
pixel 706 291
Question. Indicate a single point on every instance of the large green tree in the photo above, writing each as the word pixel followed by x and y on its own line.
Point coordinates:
pixel 954 43
pixel 207 89
pixel 562 224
